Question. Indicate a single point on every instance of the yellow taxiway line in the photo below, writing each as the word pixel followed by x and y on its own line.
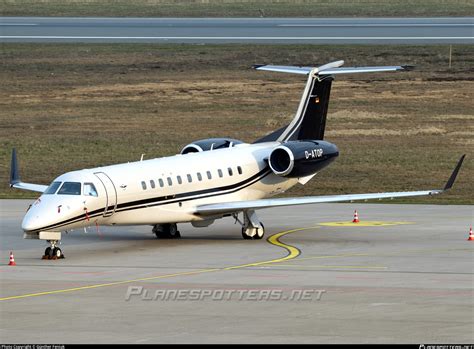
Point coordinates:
pixel 292 252
pixel 334 266
pixel 362 224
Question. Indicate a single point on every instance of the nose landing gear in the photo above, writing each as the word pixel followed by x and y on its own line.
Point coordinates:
pixel 53 252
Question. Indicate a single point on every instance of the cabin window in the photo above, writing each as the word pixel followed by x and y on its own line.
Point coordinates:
pixel 190 179
pixel 160 181
pixel 152 183
pixel 209 176
pixel 180 181
pixel 199 176
pixel 239 169
pixel 143 185
pixel 89 189
pixel 220 173
pixel 170 182
pixel 53 187
pixel 70 188
pixel 230 171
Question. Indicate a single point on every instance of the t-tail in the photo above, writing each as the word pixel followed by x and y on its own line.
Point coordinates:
pixel 309 122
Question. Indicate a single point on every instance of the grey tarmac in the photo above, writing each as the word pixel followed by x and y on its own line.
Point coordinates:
pixel 438 30
pixel 410 282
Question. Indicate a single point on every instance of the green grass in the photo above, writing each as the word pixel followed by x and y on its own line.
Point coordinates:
pixel 219 8
pixel 70 106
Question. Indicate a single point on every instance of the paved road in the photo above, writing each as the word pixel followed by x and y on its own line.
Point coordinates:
pixel 239 30
pixel 410 282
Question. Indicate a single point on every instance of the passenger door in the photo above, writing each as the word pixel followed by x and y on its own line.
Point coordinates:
pixel 111 193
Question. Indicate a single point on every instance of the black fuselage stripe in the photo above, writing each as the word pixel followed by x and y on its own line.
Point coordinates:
pixel 192 197
pixel 158 201
pixel 194 193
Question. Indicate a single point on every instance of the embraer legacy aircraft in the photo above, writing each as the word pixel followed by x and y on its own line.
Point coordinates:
pixel 208 180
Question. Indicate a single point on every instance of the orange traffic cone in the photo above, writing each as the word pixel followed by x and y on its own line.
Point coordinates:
pixel 12 260
pixel 471 235
pixel 356 217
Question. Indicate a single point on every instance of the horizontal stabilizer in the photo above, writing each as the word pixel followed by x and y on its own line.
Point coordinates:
pixel 309 121
pixel 327 69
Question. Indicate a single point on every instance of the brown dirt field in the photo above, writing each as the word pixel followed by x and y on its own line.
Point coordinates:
pixel 66 107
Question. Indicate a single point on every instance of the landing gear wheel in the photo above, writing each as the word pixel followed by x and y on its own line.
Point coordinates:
pixel 244 234
pixel 260 232
pixel 166 231
pixel 57 253
pixel 47 252
pixel 252 228
pixel 53 252
pixel 174 232
pixel 158 231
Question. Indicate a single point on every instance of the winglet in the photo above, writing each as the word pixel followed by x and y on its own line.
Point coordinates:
pixel 451 179
pixel 14 171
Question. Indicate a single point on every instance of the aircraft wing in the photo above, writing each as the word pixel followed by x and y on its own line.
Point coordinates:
pixel 15 181
pixel 237 206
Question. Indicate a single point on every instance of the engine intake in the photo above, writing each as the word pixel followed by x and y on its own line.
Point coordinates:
pixel 210 144
pixel 301 158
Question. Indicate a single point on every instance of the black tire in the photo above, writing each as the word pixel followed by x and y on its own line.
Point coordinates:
pixel 158 231
pixel 162 235
pixel 173 232
pixel 167 231
pixel 57 253
pixel 256 237
pixel 245 236
pixel 47 252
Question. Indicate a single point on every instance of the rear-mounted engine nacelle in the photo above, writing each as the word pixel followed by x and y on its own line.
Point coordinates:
pixel 301 158
pixel 210 144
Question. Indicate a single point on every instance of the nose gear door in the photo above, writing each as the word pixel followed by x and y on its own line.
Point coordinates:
pixel 111 193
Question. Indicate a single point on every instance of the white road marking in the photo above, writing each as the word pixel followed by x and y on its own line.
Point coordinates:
pixel 381 25
pixel 238 37
pixel 12 24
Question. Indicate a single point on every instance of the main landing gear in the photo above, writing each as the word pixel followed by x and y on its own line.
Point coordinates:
pixel 252 228
pixel 166 231
pixel 53 252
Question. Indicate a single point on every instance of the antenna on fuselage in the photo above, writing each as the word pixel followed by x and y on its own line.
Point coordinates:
pixel 141 158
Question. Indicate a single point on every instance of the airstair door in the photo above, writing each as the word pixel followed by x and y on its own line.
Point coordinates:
pixel 111 193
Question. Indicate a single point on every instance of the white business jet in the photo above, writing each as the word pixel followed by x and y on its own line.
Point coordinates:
pixel 208 180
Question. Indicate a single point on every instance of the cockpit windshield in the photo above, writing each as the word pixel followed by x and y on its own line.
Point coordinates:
pixel 70 188
pixel 52 188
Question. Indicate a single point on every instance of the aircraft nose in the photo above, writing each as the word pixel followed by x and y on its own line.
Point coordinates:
pixel 30 223
pixel 32 219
